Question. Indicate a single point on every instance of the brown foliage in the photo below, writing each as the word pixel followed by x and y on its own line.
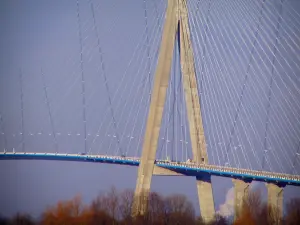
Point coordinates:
pixel 114 208
pixel 175 209
pixel 254 211
pixel 21 219
pixel 219 220
pixel 180 210
pixel 246 218
pixel 108 203
pixel 74 213
pixel 3 220
pixel 68 212
pixel 293 215
pixel 126 201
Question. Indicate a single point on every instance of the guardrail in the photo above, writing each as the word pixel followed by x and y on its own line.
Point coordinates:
pixel 176 166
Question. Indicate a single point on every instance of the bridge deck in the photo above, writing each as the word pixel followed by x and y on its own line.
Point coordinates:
pixel 186 168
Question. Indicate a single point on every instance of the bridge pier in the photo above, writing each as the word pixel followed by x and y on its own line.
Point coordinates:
pixel 275 200
pixel 241 191
pixel 206 199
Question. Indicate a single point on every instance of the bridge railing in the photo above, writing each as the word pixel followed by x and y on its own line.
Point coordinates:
pixel 233 170
pixel 165 163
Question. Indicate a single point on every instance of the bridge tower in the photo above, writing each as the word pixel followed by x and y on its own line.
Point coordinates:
pixel 176 20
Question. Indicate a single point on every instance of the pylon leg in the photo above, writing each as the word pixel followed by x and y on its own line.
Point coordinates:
pixel 206 199
pixel 192 99
pixel 241 192
pixel 158 97
pixel 275 200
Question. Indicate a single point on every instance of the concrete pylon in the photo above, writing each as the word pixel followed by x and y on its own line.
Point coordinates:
pixel 176 18
pixel 275 199
pixel 241 191
pixel 157 103
pixel 204 186
pixel 205 197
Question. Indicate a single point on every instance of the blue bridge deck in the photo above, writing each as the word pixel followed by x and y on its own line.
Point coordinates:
pixel 188 169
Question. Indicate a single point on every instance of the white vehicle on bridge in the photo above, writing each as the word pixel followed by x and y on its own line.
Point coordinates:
pixel 189 161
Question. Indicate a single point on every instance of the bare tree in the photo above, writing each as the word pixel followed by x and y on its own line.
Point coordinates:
pixel 254 211
pixel 92 217
pixel 112 203
pixel 179 210
pixel 126 201
pixel 293 212
pixel 3 221
pixel 108 203
pixel 67 212
pixel 156 208
pixel 199 221
pixel 219 220
pixel 21 219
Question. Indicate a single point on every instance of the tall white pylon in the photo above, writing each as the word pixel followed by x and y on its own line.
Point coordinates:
pixel 176 19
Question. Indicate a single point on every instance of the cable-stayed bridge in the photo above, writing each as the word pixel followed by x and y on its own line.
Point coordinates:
pixel 195 88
